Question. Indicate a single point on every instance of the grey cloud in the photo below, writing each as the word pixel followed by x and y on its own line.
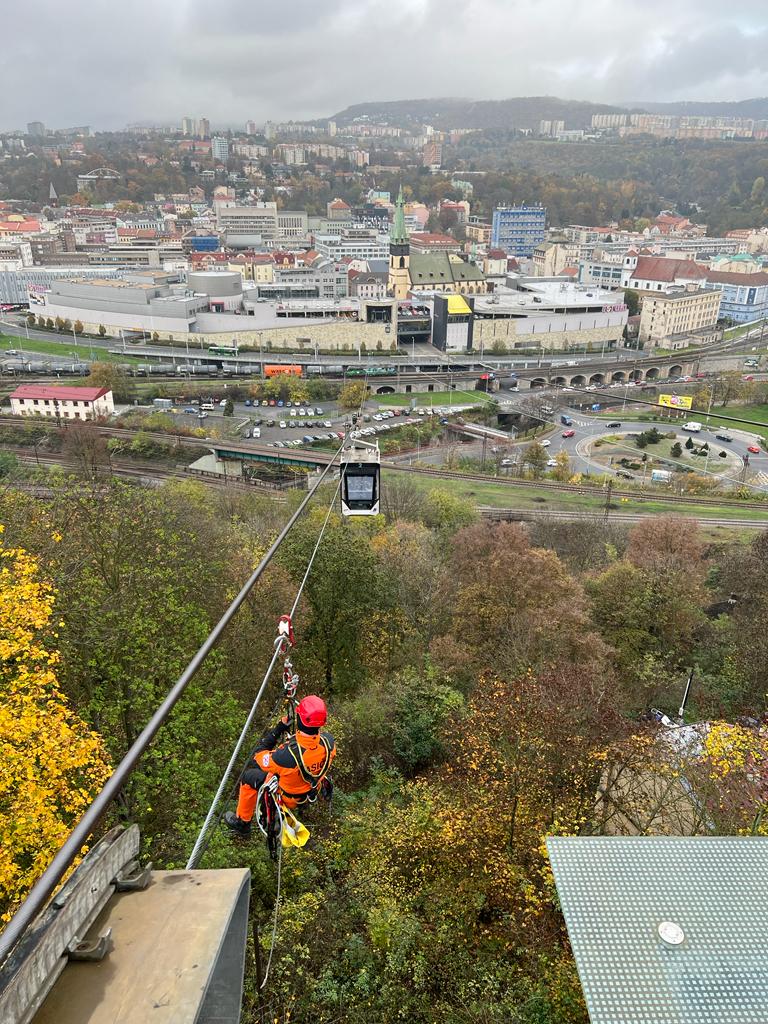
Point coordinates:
pixel 108 63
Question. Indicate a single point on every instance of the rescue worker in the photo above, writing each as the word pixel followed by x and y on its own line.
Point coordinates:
pixel 300 765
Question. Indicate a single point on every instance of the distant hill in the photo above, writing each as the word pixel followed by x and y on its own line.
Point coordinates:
pixel 756 108
pixel 520 112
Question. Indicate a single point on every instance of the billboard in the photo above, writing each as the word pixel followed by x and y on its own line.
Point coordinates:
pixel 676 401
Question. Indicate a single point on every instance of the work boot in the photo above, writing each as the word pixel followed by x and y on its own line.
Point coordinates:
pixel 237 826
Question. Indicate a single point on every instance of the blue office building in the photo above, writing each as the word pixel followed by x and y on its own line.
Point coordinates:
pixel 745 296
pixel 518 229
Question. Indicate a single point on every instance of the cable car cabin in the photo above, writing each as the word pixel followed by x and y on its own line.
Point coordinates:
pixel 361 478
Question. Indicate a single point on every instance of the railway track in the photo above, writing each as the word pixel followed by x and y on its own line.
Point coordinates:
pixel 585 489
pixel 520 515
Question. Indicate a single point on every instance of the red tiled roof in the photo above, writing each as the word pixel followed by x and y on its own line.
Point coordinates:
pixel 19 225
pixel 496 254
pixel 568 272
pixel 339 204
pixel 63 394
pixel 662 268
pixel 726 277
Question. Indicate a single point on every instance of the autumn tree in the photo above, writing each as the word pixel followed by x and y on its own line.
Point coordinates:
pixel 562 470
pixel 77 327
pixel 87 449
pixel 352 395
pixel 114 377
pixel 52 764
pixel 535 458
pixel 513 607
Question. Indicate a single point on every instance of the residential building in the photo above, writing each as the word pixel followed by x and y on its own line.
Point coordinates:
pixel 659 273
pixel 479 231
pixel 432 154
pixel 609 120
pixel 62 403
pixel 518 229
pixel 551 258
pixel 36 129
pixel 665 319
pixel 337 209
pixel 427 241
pixel 220 149
pixel 550 129
pixel 744 296
pixel 203 128
pixel 187 126
pixel 251 128
pixel 15 254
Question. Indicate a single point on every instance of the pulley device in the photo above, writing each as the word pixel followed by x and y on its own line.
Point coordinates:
pixel 360 478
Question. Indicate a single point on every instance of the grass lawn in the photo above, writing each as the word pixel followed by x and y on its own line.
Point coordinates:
pixel 660 455
pixel 426 398
pixel 531 497
pixel 62 349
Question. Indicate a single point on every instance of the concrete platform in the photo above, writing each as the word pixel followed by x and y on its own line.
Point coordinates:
pixel 178 953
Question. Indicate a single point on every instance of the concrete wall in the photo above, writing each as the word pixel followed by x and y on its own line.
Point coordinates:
pixel 510 334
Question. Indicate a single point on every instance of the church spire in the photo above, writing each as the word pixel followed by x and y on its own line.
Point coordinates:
pixel 399 234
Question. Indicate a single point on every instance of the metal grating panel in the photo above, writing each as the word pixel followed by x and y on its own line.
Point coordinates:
pixel 667 930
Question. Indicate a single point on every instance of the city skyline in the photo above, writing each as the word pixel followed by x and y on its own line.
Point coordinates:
pixel 240 64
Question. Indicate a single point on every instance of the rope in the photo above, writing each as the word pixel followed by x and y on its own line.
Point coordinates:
pixel 277 909
pixel 201 843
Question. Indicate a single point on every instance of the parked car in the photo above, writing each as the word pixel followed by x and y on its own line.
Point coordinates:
pixel 191 410
pixel 292 413
pixel 551 462
pixel 327 423
pixel 569 433
pixel 248 402
pixel 282 424
pixel 624 474
pixel 222 403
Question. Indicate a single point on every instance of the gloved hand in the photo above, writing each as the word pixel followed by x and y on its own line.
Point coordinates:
pixel 326 789
pixel 272 782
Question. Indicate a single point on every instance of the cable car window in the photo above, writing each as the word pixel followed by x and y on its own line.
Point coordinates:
pixel 360 488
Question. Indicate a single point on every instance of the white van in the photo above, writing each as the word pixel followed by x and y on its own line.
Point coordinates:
pixel 692 427
pixel 209 406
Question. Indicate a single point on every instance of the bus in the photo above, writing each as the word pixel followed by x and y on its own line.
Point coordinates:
pixel 290 370
pixel 223 350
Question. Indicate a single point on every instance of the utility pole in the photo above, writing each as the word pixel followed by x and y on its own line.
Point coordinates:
pixel 608 490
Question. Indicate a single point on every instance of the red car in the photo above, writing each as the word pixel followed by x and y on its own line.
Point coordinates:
pixel 754 448
pixel 569 433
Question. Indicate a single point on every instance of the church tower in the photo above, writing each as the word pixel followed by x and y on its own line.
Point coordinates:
pixel 399 282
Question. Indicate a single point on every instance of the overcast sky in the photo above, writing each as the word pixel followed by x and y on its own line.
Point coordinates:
pixel 109 62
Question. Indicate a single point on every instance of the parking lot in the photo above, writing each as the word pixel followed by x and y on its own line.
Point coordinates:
pixel 291 425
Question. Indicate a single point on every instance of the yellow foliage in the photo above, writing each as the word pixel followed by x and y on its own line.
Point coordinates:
pixel 51 764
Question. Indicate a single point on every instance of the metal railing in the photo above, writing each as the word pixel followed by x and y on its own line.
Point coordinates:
pixel 41 891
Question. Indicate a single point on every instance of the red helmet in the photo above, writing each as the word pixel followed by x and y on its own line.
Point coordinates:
pixel 312 711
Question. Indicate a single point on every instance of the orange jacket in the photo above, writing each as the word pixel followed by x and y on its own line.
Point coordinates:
pixel 300 764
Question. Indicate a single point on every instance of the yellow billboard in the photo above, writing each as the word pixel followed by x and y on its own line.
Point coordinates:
pixel 676 401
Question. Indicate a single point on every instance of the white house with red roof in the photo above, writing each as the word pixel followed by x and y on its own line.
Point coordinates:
pixel 659 273
pixel 65 403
